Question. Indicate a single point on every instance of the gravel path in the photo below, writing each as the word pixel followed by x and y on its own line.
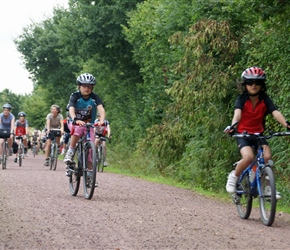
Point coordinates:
pixel 38 212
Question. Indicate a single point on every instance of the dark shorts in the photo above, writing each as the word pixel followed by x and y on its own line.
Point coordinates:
pixel 66 138
pixel 242 142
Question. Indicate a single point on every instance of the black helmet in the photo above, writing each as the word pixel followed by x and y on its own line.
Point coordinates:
pixel 21 114
pixel 86 78
pixel 7 106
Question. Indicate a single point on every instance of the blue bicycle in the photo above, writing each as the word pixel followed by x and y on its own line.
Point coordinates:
pixel 257 180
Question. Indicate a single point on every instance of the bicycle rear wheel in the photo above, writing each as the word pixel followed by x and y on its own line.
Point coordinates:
pixel 75 179
pixel 268 196
pixel 244 206
pixel 90 169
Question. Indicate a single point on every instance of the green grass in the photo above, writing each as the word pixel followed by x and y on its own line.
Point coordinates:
pixel 157 178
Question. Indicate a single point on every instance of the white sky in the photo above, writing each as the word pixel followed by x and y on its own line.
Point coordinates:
pixel 15 15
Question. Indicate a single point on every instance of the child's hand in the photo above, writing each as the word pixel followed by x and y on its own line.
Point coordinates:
pixel 228 130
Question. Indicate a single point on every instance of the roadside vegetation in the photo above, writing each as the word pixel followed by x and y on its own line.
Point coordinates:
pixel 166 71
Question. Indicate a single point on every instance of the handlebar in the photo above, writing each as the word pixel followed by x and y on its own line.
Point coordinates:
pixel 259 136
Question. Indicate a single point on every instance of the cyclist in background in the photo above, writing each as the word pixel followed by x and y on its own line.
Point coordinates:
pixel 35 139
pixel 66 135
pixel 43 139
pixel 7 120
pixel 251 108
pixel 54 120
pixel 83 106
pixel 21 128
pixel 99 132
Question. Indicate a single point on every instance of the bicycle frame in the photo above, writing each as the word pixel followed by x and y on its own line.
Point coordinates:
pixel 255 184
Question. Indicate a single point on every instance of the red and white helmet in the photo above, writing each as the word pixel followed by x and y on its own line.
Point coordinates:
pixel 254 73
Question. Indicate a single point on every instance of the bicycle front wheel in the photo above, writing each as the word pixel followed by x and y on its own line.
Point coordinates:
pixel 20 153
pixel 55 155
pixel 75 179
pixel 34 150
pixel 4 156
pixel 100 159
pixel 90 169
pixel 244 206
pixel 268 196
pixel 51 156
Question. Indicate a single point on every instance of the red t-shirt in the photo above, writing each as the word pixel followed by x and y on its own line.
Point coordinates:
pixel 21 127
pixel 253 117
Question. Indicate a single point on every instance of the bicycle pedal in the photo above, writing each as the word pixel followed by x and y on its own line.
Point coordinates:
pixel 235 198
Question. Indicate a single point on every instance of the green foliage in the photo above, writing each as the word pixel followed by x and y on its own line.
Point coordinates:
pixel 6 96
pixel 166 72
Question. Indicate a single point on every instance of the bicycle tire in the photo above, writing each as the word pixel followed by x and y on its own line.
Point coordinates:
pixel 4 156
pixel 101 159
pixel 267 201
pixel 34 150
pixel 89 158
pixel 55 155
pixel 20 152
pixel 51 156
pixel 75 179
pixel 244 206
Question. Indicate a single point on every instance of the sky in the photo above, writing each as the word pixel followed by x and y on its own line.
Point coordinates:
pixel 15 15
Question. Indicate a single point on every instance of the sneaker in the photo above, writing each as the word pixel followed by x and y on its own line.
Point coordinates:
pixel 231 186
pixel 69 157
pixel 10 152
pixel 267 192
pixel 46 163
pixel 105 164
pixel 15 160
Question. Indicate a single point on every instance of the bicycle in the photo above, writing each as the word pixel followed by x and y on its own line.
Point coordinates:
pixel 4 134
pixel 100 154
pixel 20 150
pixel 86 158
pixel 54 149
pixel 34 148
pixel 257 180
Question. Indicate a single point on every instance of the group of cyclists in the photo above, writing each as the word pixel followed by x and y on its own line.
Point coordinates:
pixel 19 129
pixel 83 106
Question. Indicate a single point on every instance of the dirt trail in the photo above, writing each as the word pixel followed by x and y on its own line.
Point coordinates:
pixel 38 212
